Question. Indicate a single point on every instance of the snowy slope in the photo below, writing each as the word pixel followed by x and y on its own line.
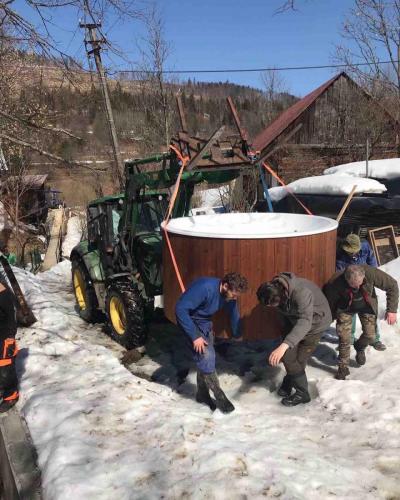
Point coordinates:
pixel 103 433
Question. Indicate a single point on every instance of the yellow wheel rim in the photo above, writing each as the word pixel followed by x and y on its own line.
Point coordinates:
pixel 117 315
pixel 79 287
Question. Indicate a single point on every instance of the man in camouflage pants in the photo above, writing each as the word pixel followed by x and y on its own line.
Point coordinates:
pixel 353 292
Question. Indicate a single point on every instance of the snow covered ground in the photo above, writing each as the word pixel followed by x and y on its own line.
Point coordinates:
pixel 73 236
pixel 102 432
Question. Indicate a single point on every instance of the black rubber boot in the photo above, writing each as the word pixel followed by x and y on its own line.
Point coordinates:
pixel 286 387
pixel 360 355
pixel 6 405
pixel 379 346
pixel 223 403
pixel 342 373
pixel 203 395
pixel 301 396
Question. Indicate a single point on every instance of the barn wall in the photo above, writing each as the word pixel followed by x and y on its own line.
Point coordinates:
pixel 298 161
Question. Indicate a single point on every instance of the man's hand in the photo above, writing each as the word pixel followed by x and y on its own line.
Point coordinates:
pixel 391 318
pixel 276 355
pixel 199 345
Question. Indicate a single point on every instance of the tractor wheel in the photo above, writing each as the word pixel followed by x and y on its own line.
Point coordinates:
pixel 84 293
pixel 126 314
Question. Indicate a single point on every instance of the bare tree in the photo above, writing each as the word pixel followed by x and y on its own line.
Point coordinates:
pixel 288 5
pixel 372 30
pixel 274 85
pixel 31 124
pixel 155 51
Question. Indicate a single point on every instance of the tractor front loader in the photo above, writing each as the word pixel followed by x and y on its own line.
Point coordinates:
pixel 117 271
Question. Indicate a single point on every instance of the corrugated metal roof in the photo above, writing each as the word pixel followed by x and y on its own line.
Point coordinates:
pixel 280 124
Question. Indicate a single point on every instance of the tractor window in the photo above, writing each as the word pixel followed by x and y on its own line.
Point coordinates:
pixel 92 219
pixel 151 214
pixel 116 216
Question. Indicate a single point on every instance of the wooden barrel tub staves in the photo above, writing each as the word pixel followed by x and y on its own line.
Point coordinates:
pixel 257 245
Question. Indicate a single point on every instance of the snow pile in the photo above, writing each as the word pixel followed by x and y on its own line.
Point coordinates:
pixel 379 169
pixel 337 185
pixel 73 236
pixel 213 197
pixel 102 432
pixel 211 201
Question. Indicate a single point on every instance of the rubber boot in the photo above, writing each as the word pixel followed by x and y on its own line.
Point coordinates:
pixel 203 395
pixel 379 346
pixel 286 387
pixel 360 355
pixel 342 373
pixel 301 396
pixel 9 401
pixel 223 403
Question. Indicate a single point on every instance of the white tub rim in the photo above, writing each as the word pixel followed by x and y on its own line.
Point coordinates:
pixel 325 225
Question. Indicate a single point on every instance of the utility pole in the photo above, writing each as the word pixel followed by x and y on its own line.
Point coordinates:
pixel 95 49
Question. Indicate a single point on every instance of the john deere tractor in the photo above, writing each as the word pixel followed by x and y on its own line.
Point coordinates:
pixel 117 271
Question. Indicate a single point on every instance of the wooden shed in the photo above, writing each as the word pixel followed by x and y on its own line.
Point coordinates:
pixel 25 194
pixel 327 127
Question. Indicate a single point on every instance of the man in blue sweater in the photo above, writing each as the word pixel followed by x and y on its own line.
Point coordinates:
pixel 194 311
pixel 354 251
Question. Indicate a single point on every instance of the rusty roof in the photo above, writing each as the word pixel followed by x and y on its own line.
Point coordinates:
pixel 282 122
pixel 30 181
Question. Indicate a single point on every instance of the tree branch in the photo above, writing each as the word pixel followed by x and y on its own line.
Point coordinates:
pixel 71 163
pixel 39 127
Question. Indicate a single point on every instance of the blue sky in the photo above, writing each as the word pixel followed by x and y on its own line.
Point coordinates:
pixel 215 34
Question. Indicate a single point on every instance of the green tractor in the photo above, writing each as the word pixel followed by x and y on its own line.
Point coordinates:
pixel 117 271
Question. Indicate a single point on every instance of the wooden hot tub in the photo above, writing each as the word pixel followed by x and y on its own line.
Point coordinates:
pixel 257 245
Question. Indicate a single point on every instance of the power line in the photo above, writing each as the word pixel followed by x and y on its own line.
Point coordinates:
pixel 251 70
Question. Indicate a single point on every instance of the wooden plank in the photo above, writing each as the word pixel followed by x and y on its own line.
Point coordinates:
pixel 384 244
pixel 346 203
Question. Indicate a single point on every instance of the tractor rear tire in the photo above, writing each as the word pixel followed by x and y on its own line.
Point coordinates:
pixel 126 314
pixel 84 292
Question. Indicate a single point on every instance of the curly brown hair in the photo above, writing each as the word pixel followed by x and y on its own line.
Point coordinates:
pixel 236 281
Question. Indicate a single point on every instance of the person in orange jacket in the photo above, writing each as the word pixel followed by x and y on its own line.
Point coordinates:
pixel 8 348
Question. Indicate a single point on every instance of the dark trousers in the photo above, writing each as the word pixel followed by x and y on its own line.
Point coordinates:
pixel 295 358
pixel 8 374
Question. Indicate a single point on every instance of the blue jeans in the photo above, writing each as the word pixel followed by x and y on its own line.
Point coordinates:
pixel 205 362
pixel 353 329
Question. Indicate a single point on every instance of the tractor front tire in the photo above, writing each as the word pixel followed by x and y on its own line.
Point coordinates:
pixel 126 314
pixel 85 295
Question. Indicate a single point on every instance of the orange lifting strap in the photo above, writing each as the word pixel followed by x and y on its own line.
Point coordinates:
pixel 168 216
pixel 274 174
pixel 7 355
pixel 13 396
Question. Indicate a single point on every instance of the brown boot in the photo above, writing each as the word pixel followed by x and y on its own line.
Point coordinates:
pixel 342 373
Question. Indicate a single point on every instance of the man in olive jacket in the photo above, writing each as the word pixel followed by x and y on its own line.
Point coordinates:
pixel 350 292
pixel 306 315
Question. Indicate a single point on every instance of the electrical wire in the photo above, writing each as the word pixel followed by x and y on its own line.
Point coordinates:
pixel 254 70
